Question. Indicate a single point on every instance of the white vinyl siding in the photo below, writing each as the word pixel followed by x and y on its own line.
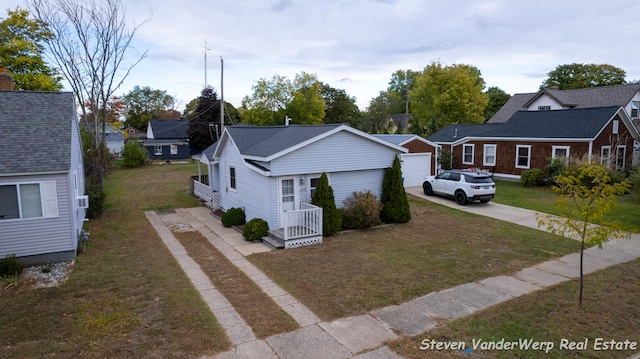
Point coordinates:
pixel 467 154
pixel 489 158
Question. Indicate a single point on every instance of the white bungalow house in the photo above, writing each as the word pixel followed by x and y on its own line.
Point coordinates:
pixel 272 171
pixel 42 198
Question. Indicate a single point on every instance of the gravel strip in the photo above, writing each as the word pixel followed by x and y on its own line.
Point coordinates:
pixel 48 275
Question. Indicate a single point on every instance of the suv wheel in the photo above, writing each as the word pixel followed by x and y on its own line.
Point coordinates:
pixel 427 189
pixel 461 197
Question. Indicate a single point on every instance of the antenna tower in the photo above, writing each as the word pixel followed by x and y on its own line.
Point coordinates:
pixel 205 63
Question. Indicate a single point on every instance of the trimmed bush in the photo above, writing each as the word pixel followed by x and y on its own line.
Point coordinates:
pixel 533 177
pixel 361 210
pixel 323 197
pixel 233 217
pixel 255 229
pixel 9 266
pixel 395 204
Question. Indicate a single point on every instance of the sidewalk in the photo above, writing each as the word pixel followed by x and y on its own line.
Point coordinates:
pixel 363 336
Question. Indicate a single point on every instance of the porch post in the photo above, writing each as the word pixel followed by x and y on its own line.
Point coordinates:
pixel 199 173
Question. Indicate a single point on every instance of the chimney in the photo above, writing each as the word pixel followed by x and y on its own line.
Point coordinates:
pixel 6 80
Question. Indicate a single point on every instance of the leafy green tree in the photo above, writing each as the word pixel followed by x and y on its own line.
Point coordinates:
pixel 586 195
pixel 394 99
pixel 323 197
pixel 268 102
pixel 202 125
pixel 576 76
pixel 134 155
pixel 307 105
pixel 21 52
pixel 448 94
pixel 339 107
pixel 497 99
pixel 395 204
pixel 144 104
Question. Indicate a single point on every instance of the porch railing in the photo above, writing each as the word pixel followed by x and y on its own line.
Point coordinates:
pixel 205 193
pixel 304 222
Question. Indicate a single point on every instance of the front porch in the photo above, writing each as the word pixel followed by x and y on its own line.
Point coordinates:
pixel 301 227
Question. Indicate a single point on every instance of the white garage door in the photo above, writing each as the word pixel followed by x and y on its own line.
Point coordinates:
pixel 415 167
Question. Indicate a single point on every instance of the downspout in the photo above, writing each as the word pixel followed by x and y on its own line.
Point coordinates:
pixel 590 151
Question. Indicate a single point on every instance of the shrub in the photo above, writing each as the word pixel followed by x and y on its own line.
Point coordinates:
pixel 255 229
pixel 361 210
pixel 532 177
pixel 556 166
pixel 9 266
pixel 233 217
pixel 395 204
pixel 323 197
pixel 634 178
pixel 134 155
pixel 96 199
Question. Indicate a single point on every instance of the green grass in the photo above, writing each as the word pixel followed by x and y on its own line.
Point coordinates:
pixel 542 199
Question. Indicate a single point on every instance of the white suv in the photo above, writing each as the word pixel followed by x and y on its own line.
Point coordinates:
pixel 463 186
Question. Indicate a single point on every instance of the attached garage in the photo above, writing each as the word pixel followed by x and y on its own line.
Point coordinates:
pixel 421 161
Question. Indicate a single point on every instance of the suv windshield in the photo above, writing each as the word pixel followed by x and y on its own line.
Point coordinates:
pixel 477 179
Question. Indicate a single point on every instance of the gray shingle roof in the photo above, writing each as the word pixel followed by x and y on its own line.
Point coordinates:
pixel 396 139
pixel 165 129
pixel 515 104
pixel 264 141
pixel 571 124
pixel 35 130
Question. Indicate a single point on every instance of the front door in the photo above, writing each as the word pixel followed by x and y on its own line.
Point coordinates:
pixel 287 194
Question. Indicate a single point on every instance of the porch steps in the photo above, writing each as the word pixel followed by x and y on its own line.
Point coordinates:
pixel 274 239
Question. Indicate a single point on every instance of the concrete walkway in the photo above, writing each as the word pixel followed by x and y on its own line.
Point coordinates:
pixel 363 336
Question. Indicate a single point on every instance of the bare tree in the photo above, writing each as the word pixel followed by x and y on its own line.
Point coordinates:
pixel 90 41
pixel 89 44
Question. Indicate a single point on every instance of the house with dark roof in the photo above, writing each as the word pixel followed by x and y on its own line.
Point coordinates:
pixel 167 140
pixel 42 186
pixel 272 171
pixel 420 162
pixel 529 139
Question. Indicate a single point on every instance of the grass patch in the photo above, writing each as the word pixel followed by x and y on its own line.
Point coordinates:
pixel 439 248
pixel 261 313
pixel 542 199
pixel 610 311
pixel 126 295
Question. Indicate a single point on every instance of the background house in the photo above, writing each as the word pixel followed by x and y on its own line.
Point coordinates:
pixel 42 198
pixel 270 171
pixel 421 161
pixel 167 140
pixel 530 138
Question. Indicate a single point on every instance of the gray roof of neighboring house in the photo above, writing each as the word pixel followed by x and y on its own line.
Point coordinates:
pixel 264 141
pixel 165 129
pixel 571 124
pixel 601 96
pixel 36 131
pixel 395 139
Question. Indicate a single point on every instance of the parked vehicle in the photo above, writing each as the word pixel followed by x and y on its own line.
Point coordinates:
pixel 463 186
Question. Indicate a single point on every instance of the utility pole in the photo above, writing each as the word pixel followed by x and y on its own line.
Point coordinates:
pixel 205 63
pixel 221 95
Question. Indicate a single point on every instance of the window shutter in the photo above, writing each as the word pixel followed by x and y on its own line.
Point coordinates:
pixel 50 196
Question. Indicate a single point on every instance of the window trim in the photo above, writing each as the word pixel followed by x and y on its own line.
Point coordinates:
pixel 233 178
pixel 173 149
pixel 464 154
pixel 555 148
pixel 605 160
pixel 48 200
pixel 637 109
pixel 528 147
pixel 484 155
pixel 155 150
pixel 624 156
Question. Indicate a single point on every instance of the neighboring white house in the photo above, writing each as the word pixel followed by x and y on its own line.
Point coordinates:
pixel 42 193
pixel 272 171
pixel 114 140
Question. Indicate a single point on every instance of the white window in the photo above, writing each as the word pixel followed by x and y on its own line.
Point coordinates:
pixel 232 177
pixel 313 184
pixel 28 200
pixel 560 151
pixel 605 156
pixel 621 154
pixel 467 154
pixel 635 105
pixel 157 150
pixel 174 149
pixel 489 155
pixel 616 124
pixel 523 156
pixel 544 108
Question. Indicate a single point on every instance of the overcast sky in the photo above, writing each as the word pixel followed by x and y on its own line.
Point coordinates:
pixel 356 45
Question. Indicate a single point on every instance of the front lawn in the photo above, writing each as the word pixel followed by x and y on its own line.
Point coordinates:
pixel 542 199
pixel 439 248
